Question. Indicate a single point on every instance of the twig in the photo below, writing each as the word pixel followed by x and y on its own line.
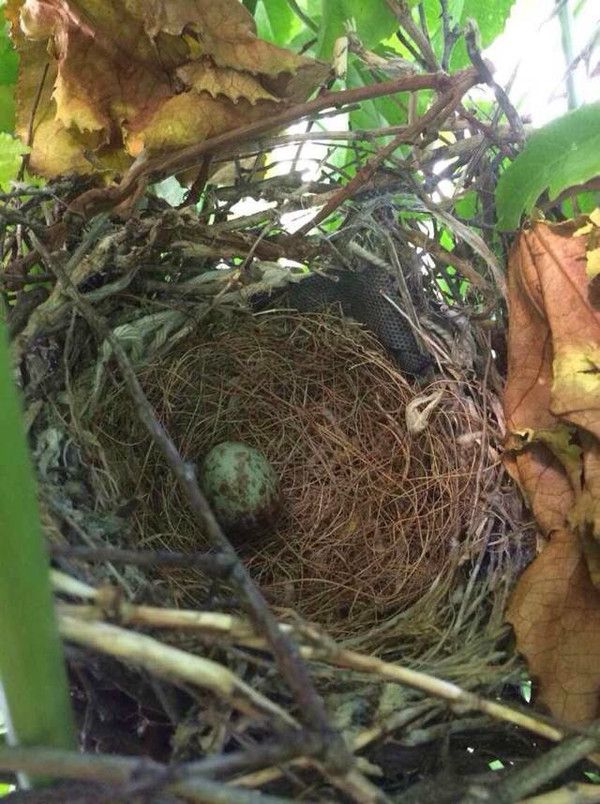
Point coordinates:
pixel 451 34
pixel 123 770
pixel 34 108
pixel 569 794
pixel 172 664
pixel 513 117
pixel 440 109
pixel 403 14
pixel 421 240
pixel 566 39
pixel 530 777
pixel 14 216
pixel 291 666
pixel 214 565
pixel 326 650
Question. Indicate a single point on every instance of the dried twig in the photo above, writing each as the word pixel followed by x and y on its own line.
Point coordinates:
pixel 569 794
pixel 187 780
pixel 457 86
pixel 172 664
pixel 529 778
pixel 217 566
pixel 513 117
pixel 318 648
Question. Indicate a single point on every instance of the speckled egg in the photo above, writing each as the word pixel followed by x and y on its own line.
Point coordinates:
pixel 242 488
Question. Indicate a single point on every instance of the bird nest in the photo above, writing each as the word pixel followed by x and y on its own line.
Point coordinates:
pixel 378 502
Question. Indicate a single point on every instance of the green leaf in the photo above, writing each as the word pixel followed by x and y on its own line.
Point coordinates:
pixel 250 5
pixel 378 112
pixel 588 201
pixel 466 206
pixel 32 671
pixel 490 18
pixel 276 21
pixel 7 109
pixel 11 151
pixel 9 61
pixel 564 153
pixel 373 19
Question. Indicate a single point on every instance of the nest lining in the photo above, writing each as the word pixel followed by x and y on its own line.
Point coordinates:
pixel 373 516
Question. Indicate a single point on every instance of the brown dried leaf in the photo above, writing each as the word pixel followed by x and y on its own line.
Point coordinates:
pixel 552 406
pixel 124 75
pixel 555 612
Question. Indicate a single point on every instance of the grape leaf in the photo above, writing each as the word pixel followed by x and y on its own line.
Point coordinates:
pixel 564 153
pixel 378 112
pixel 153 76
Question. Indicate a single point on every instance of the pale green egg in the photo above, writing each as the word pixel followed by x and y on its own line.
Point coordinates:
pixel 242 488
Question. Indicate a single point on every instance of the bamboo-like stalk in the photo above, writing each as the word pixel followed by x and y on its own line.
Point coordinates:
pixel 32 672
pixel 565 21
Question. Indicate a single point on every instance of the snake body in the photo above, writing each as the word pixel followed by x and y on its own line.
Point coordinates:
pixel 359 295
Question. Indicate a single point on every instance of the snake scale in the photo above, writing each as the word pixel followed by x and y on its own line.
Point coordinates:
pixel 359 295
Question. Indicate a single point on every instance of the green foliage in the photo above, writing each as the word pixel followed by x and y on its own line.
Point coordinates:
pixel 373 20
pixel 11 151
pixel 32 672
pixel 562 154
pixel 465 206
pixel 490 19
pixel 9 62
pixel 7 109
pixel 387 111
pixel 276 21
pixel 588 201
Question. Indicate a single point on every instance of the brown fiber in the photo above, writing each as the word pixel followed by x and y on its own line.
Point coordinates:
pixel 373 516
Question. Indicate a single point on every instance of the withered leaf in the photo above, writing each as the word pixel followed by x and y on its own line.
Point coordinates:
pixel 552 407
pixel 128 75
pixel 555 612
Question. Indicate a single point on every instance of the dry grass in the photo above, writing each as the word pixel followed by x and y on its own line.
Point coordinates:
pixel 374 517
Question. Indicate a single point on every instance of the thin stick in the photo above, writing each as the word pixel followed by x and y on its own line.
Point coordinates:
pixel 327 651
pixel 440 110
pixel 213 565
pixel 172 664
pixel 471 36
pixel 531 776
pixel 121 770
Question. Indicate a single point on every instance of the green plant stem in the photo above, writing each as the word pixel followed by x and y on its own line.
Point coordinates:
pixel 565 19
pixel 32 672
